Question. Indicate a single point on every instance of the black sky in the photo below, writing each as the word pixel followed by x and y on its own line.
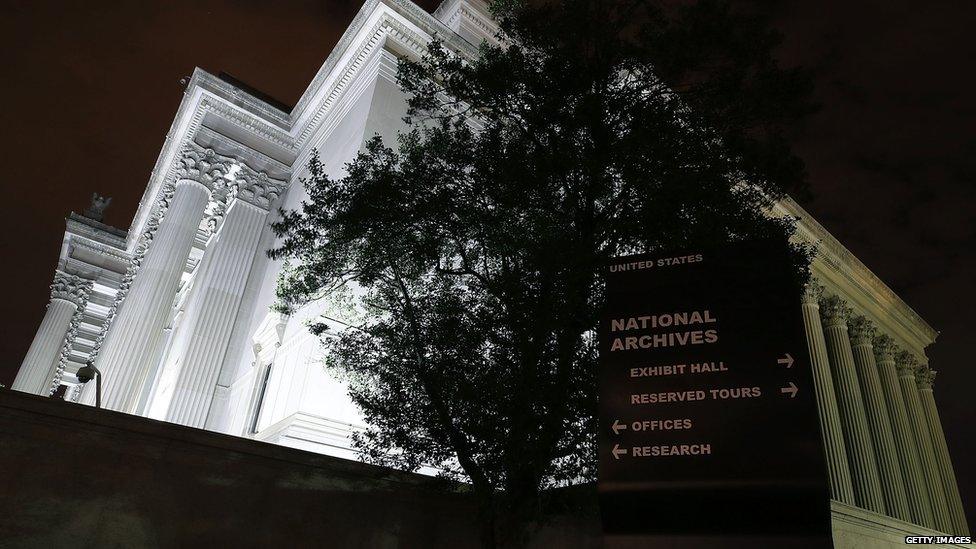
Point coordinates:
pixel 89 91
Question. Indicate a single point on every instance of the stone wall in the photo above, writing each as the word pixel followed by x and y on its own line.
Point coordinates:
pixel 73 476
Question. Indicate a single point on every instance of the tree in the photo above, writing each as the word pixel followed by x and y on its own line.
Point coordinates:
pixel 597 129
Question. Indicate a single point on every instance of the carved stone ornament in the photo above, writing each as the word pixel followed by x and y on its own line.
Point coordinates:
pixel 906 363
pixel 218 172
pixel 216 209
pixel 76 290
pixel 204 166
pixel 834 311
pixel 96 210
pixel 925 377
pixel 885 347
pixel 257 188
pixel 70 288
pixel 861 329
pixel 812 293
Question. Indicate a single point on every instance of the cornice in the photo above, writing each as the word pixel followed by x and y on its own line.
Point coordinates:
pixel 101 249
pixel 457 10
pixel 242 100
pixel 323 108
pixel 84 228
pixel 380 61
pixel 248 122
pixel 424 21
pixel 373 34
pixel 838 261
pixel 483 24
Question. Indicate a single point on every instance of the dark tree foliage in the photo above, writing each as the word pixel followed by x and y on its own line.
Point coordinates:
pixel 599 128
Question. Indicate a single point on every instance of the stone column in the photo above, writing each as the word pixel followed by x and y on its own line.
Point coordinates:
pixel 830 427
pixel 860 447
pixel 862 333
pixel 957 513
pixel 132 344
pixel 208 330
pixel 908 454
pixel 907 366
pixel 68 294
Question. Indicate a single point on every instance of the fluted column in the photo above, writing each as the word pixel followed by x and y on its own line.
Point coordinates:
pixel 862 333
pixel 838 469
pixel 132 345
pixel 907 365
pixel 907 448
pixel 68 294
pixel 957 513
pixel 209 328
pixel 857 436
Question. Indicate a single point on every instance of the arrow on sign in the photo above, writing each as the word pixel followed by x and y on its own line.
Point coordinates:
pixel 618 451
pixel 788 360
pixel 617 426
pixel 791 390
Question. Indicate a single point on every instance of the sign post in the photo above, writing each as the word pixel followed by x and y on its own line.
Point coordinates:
pixel 708 418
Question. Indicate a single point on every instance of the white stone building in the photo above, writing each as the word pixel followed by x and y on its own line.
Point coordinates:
pixel 175 310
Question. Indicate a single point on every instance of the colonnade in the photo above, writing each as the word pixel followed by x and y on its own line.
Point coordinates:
pixel 883 440
pixel 134 341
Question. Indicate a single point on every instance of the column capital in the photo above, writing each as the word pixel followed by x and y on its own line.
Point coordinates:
pixel 925 377
pixel 835 311
pixel 219 172
pixel 204 166
pixel 812 293
pixel 906 363
pixel 70 288
pixel 885 347
pixel 861 329
pixel 256 188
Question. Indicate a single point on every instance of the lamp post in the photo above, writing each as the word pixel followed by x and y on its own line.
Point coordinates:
pixel 85 374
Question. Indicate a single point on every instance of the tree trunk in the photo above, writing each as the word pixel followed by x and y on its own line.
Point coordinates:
pixel 516 518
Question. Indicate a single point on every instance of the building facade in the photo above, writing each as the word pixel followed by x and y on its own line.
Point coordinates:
pixel 175 312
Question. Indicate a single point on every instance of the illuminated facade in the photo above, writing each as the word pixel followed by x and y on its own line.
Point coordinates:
pixel 175 311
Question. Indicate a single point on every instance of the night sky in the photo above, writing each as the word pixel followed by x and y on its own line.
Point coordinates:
pixel 89 91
